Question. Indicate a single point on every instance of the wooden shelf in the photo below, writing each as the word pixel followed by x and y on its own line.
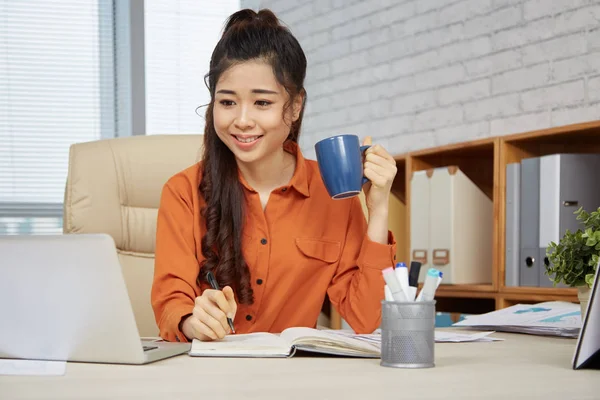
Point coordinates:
pixel 581 138
pixel 479 162
pixel 484 162
pixel 563 136
pixel 470 294
pixel 445 288
pixel 399 185
pixel 519 290
pixel 475 159
pixel 475 148
pixel 509 299
pixel 577 138
pixel 448 289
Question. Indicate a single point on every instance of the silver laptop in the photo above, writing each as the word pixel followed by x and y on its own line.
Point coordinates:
pixel 63 297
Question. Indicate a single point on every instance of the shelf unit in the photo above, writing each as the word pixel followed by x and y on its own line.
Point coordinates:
pixel 484 162
pixel 578 138
pixel 478 159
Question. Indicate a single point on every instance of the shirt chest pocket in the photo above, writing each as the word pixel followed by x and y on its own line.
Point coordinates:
pixel 319 251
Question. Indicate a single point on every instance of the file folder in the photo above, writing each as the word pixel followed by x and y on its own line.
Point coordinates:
pixel 567 182
pixel 440 224
pixel 529 270
pixel 459 240
pixel 512 228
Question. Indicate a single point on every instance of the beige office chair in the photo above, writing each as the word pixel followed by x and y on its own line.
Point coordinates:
pixel 114 187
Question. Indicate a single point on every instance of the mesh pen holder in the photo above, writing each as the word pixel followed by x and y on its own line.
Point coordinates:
pixel 407 334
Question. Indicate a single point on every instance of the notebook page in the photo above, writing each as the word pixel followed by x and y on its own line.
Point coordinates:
pixel 259 344
pixel 319 338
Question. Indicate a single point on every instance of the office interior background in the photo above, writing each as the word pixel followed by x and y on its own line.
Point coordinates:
pixel 411 73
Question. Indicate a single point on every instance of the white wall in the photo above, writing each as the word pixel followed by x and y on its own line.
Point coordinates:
pixel 422 73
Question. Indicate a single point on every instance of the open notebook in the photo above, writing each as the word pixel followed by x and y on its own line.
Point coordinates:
pixel 264 344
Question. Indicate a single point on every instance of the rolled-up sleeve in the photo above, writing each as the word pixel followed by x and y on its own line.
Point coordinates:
pixel 357 288
pixel 176 266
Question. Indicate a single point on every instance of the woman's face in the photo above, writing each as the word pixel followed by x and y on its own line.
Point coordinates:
pixel 249 111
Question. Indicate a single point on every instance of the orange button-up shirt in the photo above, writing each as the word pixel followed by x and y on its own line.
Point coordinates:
pixel 303 246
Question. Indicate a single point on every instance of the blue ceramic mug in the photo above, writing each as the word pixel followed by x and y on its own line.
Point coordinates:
pixel 340 160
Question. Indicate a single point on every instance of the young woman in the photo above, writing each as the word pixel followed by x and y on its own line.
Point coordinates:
pixel 257 214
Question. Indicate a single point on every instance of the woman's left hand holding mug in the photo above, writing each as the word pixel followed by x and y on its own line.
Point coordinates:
pixel 380 168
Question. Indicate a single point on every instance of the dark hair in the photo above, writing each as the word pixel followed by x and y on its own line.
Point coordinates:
pixel 247 36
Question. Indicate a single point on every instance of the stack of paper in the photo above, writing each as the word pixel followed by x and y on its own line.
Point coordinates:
pixel 550 318
pixel 455 337
pixel 440 336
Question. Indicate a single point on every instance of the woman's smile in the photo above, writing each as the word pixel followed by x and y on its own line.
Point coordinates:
pixel 245 142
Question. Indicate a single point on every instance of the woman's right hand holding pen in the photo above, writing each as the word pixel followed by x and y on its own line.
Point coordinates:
pixel 209 317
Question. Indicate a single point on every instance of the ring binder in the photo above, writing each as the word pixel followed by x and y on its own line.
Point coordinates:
pixel 450 216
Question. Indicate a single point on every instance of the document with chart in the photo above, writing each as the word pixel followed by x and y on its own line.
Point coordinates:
pixel 554 318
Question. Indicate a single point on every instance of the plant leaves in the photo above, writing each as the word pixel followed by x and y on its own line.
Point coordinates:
pixel 574 259
pixel 589 279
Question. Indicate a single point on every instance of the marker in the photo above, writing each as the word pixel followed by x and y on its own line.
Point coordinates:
pixel 412 292
pixel 213 282
pixel 437 284
pixel 413 276
pixel 388 293
pixel 390 278
pixel 401 272
pixel 430 285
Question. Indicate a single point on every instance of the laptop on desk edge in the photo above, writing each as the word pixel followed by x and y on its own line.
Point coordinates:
pixel 63 297
pixel 587 349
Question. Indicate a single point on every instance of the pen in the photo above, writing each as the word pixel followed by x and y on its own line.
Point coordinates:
pixel 213 282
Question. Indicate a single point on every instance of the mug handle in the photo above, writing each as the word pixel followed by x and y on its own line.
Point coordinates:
pixel 362 150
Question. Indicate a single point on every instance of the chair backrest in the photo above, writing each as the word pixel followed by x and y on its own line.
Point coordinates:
pixel 114 187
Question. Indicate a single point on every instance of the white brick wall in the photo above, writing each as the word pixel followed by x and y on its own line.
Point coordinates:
pixel 421 73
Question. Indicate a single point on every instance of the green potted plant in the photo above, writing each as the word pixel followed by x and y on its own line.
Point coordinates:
pixel 574 259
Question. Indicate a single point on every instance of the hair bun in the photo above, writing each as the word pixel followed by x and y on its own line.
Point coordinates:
pixel 246 17
pixel 268 18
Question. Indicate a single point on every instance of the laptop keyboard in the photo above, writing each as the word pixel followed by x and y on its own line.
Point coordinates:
pixel 148 348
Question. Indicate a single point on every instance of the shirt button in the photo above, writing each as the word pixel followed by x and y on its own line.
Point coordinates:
pixel 259 281
pixel 263 241
pixel 248 317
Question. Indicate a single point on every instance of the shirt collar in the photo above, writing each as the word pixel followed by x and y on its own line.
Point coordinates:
pixel 299 180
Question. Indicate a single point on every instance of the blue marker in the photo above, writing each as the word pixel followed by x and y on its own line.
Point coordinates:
pixel 401 272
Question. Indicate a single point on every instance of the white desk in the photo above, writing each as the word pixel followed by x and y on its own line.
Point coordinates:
pixel 521 367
